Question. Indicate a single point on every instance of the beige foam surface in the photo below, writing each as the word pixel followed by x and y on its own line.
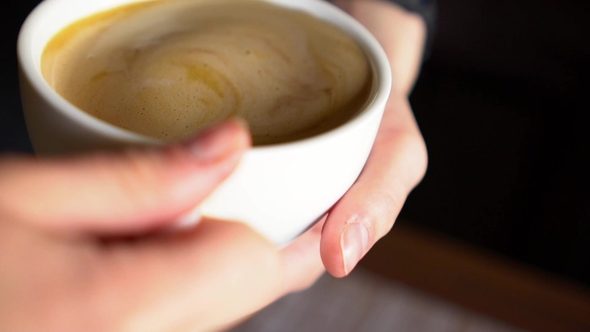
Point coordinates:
pixel 167 69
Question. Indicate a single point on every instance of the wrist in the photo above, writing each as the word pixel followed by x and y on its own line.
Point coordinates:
pixel 426 9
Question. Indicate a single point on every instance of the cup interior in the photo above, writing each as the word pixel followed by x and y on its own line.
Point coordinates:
pixel 52 16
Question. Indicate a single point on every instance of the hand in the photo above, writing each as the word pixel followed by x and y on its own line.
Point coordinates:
pixel 82 247
pixel 78 248
pixel 398 160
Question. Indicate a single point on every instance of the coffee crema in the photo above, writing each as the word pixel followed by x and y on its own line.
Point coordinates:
pixel 169 68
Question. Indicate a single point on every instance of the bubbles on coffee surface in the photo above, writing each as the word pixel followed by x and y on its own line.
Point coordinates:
pixel 168 69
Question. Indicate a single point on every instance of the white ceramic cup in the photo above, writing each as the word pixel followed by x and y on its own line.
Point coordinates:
pixel 278 190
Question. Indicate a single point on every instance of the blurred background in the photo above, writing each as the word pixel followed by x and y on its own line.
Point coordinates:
pixel 497 237
pixel 503 105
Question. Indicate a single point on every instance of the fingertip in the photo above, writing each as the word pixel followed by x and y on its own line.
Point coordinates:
pixel 346 239
pixel 242 129
pixel 225 139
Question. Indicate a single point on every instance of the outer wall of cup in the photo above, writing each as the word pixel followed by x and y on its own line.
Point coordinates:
pixel 278 190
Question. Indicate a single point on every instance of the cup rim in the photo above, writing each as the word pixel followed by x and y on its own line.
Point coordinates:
pixel 382 76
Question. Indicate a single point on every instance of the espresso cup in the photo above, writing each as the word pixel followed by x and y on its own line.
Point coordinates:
pixel 278 190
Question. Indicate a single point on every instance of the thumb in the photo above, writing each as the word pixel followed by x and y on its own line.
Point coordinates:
pixel 117 193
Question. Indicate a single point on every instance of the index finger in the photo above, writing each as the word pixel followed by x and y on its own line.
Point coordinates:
pixel 368 210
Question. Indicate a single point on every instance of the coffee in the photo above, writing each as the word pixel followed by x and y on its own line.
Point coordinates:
pixel 167 69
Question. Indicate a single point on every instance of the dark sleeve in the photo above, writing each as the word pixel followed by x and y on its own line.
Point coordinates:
pixel 428 10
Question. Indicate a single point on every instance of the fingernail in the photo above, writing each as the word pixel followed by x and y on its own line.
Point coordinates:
pixel 218 142
pixel 354 244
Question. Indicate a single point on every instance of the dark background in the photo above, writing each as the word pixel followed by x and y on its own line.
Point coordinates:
pixel 503 105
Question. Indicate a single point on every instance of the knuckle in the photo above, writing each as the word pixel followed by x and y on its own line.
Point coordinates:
pixel 140 169
pixel 134 173
pixel 419 154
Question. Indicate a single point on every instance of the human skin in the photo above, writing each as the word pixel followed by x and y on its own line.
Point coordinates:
pixel 82 240
pixel 85 242
pixel 399 157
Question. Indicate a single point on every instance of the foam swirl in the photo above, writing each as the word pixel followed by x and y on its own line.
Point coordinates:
pixel 167 69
